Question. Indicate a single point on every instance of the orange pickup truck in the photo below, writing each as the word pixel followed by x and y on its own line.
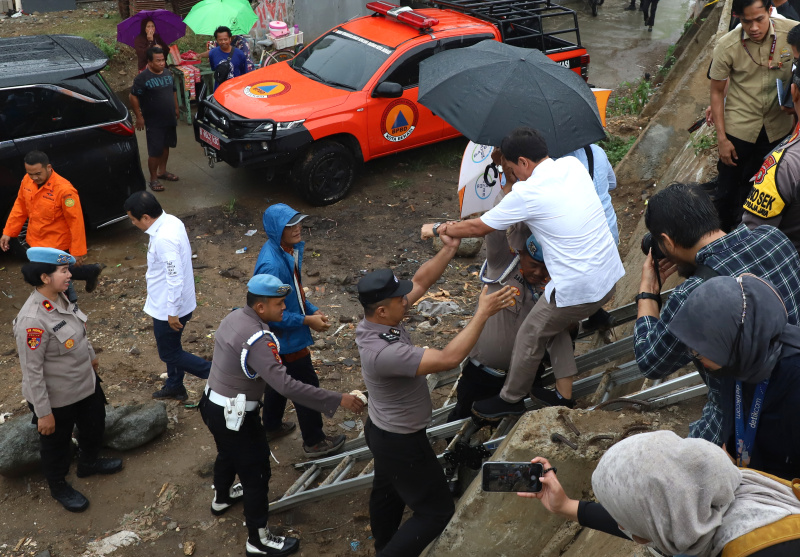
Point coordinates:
pixel 351 95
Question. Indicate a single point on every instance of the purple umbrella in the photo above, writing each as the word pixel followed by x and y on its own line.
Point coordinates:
pixel 169 26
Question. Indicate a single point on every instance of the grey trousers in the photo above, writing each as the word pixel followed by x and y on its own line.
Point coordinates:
pixel 545 325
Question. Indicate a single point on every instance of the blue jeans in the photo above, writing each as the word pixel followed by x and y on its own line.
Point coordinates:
pixel 171 353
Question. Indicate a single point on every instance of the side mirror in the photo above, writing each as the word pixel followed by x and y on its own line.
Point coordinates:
pixel 388 90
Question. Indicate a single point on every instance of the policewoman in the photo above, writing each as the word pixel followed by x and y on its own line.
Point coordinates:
pixel 246 360
pixel 58 376
pixel 407 472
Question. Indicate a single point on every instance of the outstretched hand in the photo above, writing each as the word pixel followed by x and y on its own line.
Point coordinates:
pixel 352 403
pixel 552 495
pixel 492 303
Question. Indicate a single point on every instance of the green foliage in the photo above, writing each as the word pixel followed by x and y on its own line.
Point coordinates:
pixel 688 24
pixel 230 207
pixel 109 46
pixel 630 98
pixel 669 61
pixel 704 142
pixel 616 147
pixel 400 183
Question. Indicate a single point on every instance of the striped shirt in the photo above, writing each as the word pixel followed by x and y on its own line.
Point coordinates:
pixel 765 252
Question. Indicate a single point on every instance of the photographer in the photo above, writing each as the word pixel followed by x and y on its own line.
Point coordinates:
pixel 685 227
pixel 681 497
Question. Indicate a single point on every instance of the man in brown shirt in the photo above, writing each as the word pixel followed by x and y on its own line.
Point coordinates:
pixel 749 121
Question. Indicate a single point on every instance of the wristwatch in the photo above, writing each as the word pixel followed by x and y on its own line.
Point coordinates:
pixel 436 229
pixel 649 296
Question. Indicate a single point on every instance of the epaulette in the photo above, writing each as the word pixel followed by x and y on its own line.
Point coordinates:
pixel 389 337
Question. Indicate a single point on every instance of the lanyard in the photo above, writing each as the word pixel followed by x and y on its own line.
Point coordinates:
pixel 746 433
pixel 771 53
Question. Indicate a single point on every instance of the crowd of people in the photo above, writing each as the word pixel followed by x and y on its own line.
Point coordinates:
pixel 552 262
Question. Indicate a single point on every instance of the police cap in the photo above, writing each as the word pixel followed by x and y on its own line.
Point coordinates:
pixel 268 286
pixel 380 285
pixel 50 255
pixel 534 249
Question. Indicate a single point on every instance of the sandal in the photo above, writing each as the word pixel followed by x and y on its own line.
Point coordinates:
pixel 155 185
pixel 169 177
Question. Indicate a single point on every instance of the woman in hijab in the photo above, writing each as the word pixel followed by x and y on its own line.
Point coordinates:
pixel 145 39
pixel 737 328
pixel 679 497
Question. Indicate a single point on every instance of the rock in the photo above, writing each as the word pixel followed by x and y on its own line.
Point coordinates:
pixel 206 469
pixel 19 447
pixel 232 273
pixel 188 548
pixel 425 325
pixel 134 351
pixel 128 427
pixel 312 273
pixel 172 525
pixel 429 308
pixel 113 542
pixel 469 246
pixel 130 257
pixel 44 553
pixel 319 343
pixel 349 362
pixel 345 319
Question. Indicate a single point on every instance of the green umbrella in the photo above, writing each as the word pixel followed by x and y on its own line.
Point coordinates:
pixel 207 15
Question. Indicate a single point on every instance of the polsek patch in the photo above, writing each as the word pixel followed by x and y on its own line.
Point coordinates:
pixel 34 337
pixel 274 349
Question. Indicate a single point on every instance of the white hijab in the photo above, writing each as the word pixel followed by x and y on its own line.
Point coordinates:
pixel 686 495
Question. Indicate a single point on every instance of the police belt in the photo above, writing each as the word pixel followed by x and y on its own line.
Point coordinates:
pixel 487 369
pixel 220 400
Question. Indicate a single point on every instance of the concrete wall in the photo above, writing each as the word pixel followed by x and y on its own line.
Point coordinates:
pixel 314 17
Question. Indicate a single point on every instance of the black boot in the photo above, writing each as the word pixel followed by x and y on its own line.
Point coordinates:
pixel 631 7
pixel 551 397
pixel 260 541
pixel 223 501
pixel 72 499
pixel 88 466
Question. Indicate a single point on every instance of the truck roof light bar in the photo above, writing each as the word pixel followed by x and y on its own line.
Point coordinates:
pixel 403 14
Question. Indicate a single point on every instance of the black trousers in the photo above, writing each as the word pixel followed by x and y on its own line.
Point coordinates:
pixel 473 385
pixel 649 8
pixel 310 421
pixel 406 474
pixel 734 181
pixel 244 453
pixel 89 415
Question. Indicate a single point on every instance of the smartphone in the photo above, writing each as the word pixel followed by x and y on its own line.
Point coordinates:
pixel 511 477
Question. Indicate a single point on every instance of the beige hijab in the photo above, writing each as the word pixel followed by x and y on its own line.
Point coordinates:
pixel 685 495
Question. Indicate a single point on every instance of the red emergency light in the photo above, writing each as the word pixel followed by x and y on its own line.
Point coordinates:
pixel 403 14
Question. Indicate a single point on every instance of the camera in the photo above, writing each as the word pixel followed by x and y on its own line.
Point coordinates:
pixel 649 244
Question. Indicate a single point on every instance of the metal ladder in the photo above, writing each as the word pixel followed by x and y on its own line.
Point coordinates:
pixel 599 386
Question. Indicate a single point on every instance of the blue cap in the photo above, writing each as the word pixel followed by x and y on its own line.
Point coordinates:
pixel 268 285
pixel 534 249
pixel 50 255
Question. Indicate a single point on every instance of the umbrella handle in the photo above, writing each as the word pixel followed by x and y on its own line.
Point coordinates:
pixel 493 168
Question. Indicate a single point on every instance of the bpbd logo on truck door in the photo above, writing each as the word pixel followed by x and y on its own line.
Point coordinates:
pixel 399 120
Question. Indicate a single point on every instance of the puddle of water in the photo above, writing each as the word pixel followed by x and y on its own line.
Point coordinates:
pixel 620 46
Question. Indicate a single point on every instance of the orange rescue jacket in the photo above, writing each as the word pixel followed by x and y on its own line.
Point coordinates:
pixel 54 215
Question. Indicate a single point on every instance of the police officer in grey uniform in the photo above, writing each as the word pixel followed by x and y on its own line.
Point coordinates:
pixel 58 376
pixel 246 360
pixel 513 257
pixel 406 469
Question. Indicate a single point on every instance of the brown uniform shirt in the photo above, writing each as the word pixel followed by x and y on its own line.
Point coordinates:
pixel 399 400
pixel 228 378
pixel 54 352
pixel 752 101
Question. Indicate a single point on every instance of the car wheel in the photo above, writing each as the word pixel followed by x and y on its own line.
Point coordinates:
pixel 325 174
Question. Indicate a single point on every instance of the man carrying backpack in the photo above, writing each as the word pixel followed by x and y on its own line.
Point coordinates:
pixel 226 61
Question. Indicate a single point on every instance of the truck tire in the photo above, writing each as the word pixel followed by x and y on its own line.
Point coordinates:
pixel 325 173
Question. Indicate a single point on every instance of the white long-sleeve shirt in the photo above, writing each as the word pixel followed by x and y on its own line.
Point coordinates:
pixel 170 280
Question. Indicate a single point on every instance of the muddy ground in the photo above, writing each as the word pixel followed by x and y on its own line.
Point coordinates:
pixel 376 226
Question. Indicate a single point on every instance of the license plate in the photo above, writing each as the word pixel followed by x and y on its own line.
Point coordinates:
pixel 209 138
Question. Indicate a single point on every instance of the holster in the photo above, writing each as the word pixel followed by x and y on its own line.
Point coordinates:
pixel 235 412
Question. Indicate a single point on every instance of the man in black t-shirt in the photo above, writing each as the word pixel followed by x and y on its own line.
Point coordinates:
pixel 154 93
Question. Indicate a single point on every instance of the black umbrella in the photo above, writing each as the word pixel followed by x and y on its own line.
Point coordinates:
pixel 488 89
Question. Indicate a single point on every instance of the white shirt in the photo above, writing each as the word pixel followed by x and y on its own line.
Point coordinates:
pixel 561 207
pixel 170 280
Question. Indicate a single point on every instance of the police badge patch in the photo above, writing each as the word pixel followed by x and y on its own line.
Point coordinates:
pixel 275 352
pixel 69 344
pixel 34 337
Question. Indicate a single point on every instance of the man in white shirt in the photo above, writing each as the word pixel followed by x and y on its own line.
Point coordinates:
pixel 557 200
pixel 170 290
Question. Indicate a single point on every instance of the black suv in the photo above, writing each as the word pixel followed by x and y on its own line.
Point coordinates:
pixel 53 99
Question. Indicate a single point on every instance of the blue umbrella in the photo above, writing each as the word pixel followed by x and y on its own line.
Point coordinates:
pixel 169 26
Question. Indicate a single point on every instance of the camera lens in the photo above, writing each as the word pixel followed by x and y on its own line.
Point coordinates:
pixel 648 243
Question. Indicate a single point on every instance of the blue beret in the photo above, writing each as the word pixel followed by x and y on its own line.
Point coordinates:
pixel 268 285
pixel 50 255
pixel 534 249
